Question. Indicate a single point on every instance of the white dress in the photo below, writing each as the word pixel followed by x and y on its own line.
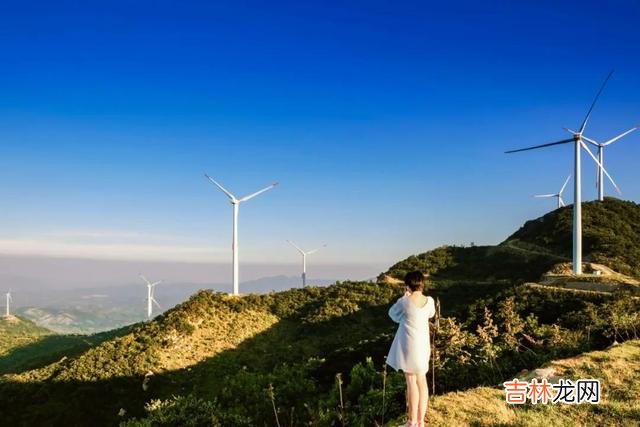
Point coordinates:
pixel 410 350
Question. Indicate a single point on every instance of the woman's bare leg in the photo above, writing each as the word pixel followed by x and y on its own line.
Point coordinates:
pixel 413 396
pixel 408 394
pixel 423 391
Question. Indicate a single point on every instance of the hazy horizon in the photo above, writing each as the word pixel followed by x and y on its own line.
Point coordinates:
pixel 69 273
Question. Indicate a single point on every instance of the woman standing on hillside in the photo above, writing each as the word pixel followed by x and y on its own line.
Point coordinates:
pixel 410 350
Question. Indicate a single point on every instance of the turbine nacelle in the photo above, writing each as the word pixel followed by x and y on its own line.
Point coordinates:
pixel 558 195
pixel 233 199
pixel 149 284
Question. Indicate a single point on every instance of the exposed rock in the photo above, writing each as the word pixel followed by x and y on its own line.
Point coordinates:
pixel 541 373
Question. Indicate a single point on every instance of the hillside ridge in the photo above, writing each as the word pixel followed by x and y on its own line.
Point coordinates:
pixel 611 237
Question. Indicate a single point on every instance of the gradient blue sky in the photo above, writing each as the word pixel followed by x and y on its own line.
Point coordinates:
pixel 385 123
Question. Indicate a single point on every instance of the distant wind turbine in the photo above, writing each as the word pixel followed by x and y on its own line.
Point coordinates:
pixel 9 300
pixel 235 202
pixel 304 259
pixel 150 299
pixel 578 144
pixel 599 171
pixel 557 195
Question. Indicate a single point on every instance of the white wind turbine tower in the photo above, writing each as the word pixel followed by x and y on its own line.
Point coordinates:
pixel 599 172
pixel 150 299
pixel 557 195
pixel 235 202
pixel 578 144
pixel 304 259
pixel 9 299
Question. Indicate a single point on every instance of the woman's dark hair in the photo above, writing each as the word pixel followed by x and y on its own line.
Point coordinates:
pixel 414 280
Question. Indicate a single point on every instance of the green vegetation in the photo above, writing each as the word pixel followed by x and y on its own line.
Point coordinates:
pixel 36 347
pixel 610 233
pixel 315 356
pixel 16 331
pixel 297 342
pixel 610 230
pixel 478 263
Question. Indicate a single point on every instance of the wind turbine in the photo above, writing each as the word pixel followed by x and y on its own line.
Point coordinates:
pixel 150 299
pixel 599 173
pixel 578 143
pixel 557 195
pixel 9 299
pixel 235 202
pixel 304 259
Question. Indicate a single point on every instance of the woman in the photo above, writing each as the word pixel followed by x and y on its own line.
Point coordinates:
pixel 410 350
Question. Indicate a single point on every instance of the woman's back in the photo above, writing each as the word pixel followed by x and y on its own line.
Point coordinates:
pixel 410 349
pixel 417 311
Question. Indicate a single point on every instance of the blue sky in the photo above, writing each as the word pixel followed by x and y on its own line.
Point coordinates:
pixel 384 122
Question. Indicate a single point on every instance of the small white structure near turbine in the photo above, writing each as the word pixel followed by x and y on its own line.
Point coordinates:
pixel 304 259
pixel 578 145
pixel 9 299
pixel 150 299
pixel 600 167
pixel 558 195
pixel 235 202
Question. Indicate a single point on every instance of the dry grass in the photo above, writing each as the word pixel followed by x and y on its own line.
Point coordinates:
pixel 221 332
pixel 617 368
pixel 608 280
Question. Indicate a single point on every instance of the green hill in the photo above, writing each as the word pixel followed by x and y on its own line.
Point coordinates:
pixel 221 354
pixel 315 356
pixel 16 331
pixel 25 346
pixel 611 232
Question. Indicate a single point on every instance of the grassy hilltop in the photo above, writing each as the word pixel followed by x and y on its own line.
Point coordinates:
pixel 315 356
pixel 610 236
pixel 16 331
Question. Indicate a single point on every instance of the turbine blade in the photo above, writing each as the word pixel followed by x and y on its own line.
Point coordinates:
pixel 156 303
pixel 564 141
pixel 561 202
pixel 571 131
pixel 595 159
pixel 316 250
pixel 224 190
pixel 296 246
pixel 545 195
pixel 565 184
pixel 586 118
pixel 591 141
pixel 145 279
pixel 612 140
pixel 251 196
